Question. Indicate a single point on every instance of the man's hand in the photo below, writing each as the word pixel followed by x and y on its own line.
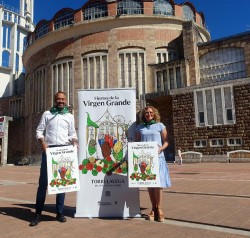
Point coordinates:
pixel 74 143
pixel 44 146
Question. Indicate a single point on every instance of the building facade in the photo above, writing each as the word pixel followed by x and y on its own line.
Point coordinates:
pixel 160 48
pixel 15 26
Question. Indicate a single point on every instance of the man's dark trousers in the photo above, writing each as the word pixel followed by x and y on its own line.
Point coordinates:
pixel 41 191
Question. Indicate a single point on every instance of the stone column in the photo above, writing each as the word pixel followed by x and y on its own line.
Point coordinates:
pixel 4 149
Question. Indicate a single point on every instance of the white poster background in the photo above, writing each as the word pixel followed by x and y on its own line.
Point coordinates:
pixel 106 124
pixel 62 168
pixel 143 164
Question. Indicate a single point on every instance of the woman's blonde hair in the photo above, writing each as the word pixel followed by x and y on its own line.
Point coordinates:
pixel 157 116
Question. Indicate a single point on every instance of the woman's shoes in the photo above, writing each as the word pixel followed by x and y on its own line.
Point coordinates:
pixel 161 216
pixel 156 216
pixel 151 216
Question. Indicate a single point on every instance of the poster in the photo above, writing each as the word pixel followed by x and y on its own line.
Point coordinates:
pixel 106 124
pixel 143 164
pixel 62 167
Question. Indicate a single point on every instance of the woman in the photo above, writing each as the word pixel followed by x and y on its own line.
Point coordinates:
pixel 153 130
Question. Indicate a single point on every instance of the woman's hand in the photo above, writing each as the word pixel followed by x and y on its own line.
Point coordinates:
pixel 160 149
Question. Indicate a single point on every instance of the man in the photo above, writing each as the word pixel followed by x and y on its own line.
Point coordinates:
pixel 56 128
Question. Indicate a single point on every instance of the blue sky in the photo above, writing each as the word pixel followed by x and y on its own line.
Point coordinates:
pixel 223 17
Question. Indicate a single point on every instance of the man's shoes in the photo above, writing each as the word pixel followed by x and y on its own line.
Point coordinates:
pixel 36 220
pixel 60 217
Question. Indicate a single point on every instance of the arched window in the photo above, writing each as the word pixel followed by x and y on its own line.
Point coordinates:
pixel 163 7
pixel 222 64
pixel 132 70
pixel 6 58
pixel 64 19
pixel 130 7
pixel 95 70
pixel 38 92
pixel 63 79
pixel 188 13
pixel 41 30
pixel 96 10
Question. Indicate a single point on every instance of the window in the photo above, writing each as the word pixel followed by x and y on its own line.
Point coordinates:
pixel 178 77
pixel 188 13
pixel 169 78
pixel 216 142
pixel 15 108
pixel 200 143
pixel 7 15
pixel 165 80
pixel 64 19
pixel 130 7
pixel 161 56
pixel 163 7
pixel 172 55
pixel 214 106
pixel 6 58
pixel 25 43
pixel 17 62
pixel 165 55
pixel 38 92
pixel 95 70
pixel 62 79
pixel 95 10
pixel 42 30
pixel 222 64
pixel 158 78
pixel 18 40
pixel 132 70
pixel 234 141
pixel 17 19
pixel 6 36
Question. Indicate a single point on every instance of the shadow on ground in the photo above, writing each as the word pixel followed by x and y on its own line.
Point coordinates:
pixel 26 212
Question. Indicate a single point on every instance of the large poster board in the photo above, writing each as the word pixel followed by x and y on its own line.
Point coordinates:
pixel 62 168
pixel 143 164
pixel 106 124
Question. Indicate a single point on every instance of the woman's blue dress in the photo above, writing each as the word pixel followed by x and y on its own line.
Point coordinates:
pixel 153 133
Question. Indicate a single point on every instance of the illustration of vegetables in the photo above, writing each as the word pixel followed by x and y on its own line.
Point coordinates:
pixel 143 167
pixel 55 173
pixel 91 123
pixel 148 169
pixel 92 147
pixel 68 174
pixel 54 166
pixel 106 149
pixel 62 172
pixel 118 151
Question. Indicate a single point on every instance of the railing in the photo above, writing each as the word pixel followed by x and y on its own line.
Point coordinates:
pixel 238 156
pixel 94 16
pixel 190 157
pixel 10 8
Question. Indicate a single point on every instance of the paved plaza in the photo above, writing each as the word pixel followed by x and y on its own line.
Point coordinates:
pixel 205 200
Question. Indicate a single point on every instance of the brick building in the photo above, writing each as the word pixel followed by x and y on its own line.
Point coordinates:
pixel 163 49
